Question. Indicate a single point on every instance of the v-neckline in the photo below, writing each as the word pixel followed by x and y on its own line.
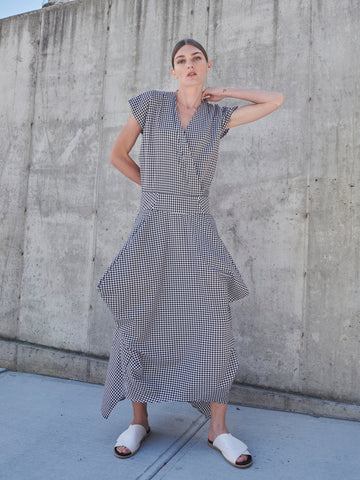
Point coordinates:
pixel 178 117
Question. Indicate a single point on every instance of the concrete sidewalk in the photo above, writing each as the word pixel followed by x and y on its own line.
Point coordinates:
pixel 52 429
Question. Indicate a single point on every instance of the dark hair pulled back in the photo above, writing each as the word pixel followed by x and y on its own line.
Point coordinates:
pixel 187 41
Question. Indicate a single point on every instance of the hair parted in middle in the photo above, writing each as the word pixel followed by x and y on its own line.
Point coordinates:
pixel 187 41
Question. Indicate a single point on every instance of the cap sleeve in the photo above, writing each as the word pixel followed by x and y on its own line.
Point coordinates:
pixel 140 106
pixel 226 113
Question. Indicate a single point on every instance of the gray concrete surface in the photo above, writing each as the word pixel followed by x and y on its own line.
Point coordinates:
pixel 52 428
pixel 285 196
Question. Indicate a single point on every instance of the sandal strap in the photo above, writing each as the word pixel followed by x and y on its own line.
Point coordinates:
pixel 230 446
pixel 131 437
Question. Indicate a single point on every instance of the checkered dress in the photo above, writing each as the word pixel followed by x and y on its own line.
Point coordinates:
pixel 170 286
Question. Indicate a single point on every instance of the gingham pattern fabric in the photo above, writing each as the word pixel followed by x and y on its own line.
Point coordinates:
pixel 170 286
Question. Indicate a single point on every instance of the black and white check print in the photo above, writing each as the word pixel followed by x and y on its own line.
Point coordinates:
pixel 170 286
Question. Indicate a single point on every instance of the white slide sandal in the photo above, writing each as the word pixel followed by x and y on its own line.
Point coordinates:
pixel 231 448
pixel 131 438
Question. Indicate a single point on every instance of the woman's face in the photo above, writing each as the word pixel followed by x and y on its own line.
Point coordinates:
pixel 190 66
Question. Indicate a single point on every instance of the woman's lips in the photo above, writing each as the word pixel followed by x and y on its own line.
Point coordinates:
pixel 191 74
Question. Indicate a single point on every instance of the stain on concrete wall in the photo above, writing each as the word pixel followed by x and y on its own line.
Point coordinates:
pixel 285 195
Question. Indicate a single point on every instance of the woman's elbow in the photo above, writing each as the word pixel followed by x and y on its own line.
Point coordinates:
pixel 277 101
pixel 280 100
pixel 114 160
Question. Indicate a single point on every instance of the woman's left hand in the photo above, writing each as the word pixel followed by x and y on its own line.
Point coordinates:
pixel 214 94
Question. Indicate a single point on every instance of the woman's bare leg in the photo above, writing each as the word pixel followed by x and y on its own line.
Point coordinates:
pixel 218 425
pixel 140 417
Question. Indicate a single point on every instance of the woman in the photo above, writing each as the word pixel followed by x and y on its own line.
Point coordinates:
pixel 170 286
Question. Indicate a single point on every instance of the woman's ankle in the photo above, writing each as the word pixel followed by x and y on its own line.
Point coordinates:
pixel 215 430
pixel 141 420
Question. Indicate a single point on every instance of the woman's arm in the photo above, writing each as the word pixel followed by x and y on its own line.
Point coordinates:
pixel 263 103
pixel 119 156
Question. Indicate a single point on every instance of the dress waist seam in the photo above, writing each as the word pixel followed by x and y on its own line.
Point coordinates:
pixel 174 203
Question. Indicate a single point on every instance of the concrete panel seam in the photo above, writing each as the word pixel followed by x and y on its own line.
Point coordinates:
pixel 255 397
pixel 53 349
pixel 174 448
pixel 28 166
pixel 97 171
pixel 302 347
pixel 270 391
pixel 207 25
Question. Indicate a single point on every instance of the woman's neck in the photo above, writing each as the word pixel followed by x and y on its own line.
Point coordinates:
pixel 189 98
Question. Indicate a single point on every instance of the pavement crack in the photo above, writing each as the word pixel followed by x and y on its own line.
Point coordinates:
pixel 173 449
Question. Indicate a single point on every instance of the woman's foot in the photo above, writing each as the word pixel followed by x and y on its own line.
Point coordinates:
pixel 132 437
pixel 214 432
pixel 230 447
pixel 218 426
pixel 140 418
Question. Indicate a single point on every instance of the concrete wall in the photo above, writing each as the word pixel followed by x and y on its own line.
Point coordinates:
pixel 285 196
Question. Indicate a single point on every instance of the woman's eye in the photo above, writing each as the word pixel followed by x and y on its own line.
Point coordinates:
pixel 197 58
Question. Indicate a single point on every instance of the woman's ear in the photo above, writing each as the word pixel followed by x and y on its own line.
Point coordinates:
pixel 173 73
pixel 209 65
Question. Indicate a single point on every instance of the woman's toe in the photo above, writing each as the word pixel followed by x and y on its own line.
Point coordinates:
pixel 122 449
pixel 242 459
